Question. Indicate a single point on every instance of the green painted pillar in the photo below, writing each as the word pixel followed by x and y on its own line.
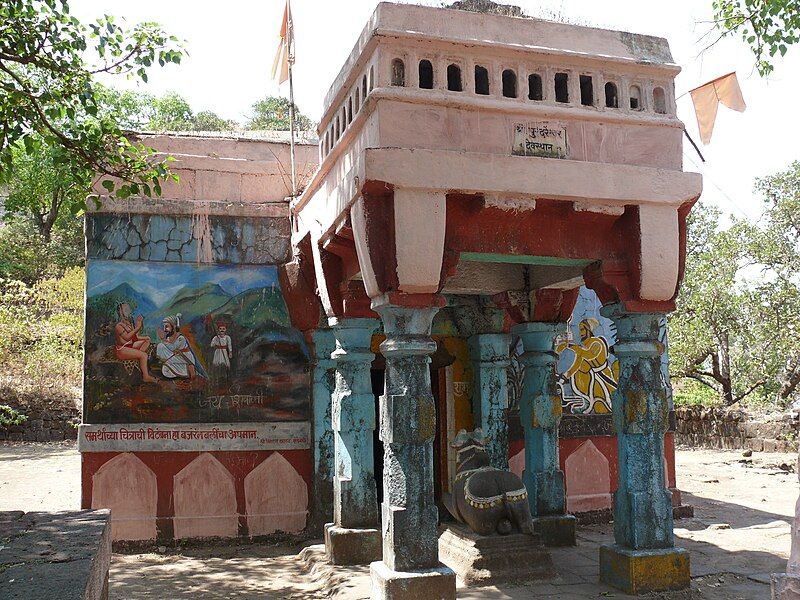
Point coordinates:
pixel 540 415
pixel 643 558
pixel 322 385
pixel 489 354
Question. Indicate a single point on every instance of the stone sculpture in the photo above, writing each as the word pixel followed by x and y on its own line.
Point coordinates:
pixel 787 586
pixel 488 500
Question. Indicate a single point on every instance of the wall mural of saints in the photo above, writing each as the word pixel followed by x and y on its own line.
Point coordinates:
pixel 190 343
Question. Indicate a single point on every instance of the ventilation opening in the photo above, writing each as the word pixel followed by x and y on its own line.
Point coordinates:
pixel 509 84
pixel 371 78
pixel 481 80
pixel 636 97
pixel 364 88
pixel 344 119
pixel 534 87
pixel 587 90
pixel 454 78
pixel 358 99
pixel 338 129
pixel 612 99
pixel 425 75
pixel 398 72
pixel 659 101
pixel 349 110
pixel 562 87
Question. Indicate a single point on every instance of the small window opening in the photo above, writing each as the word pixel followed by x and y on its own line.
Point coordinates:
pixel 425 74
pixel 612 99
pixel 562 87
pixel 659 101
pixel 358 99
pixel 535 87
pixel 349 110
pixel 454 78
pixel 587 90
pixel 636 97
pixel 509 84
pixel 364 88
pixel 481 80
pixel 371 78
pixel 338 129
pixel 398 72
pixel 344 118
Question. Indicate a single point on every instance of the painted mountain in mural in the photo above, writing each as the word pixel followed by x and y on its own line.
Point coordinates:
pixel 255 308
pixel 193 302
pixel 104 306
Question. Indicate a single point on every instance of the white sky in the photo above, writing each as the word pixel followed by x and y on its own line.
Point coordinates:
pixel 232 45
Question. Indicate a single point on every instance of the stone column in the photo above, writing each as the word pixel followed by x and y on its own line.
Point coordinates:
pixel 410 567
pixel 540 415
pixel 353 537
pixel 322 385
pixel 643 558
pixel 489 353
pixel 787 586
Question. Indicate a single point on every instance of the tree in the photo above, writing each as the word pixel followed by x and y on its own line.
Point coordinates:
pixel 273 113
pixel 48 62
pixel 769 27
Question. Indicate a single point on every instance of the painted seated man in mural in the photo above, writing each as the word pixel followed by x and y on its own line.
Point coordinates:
pixel 128 344
pixel 591 376
pixel 178 360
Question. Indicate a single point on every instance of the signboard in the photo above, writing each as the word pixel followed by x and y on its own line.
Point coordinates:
pixel 191 437
pixel 540 138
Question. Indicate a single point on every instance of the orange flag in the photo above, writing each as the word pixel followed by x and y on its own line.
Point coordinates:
pixel 707 97
pixel 280 67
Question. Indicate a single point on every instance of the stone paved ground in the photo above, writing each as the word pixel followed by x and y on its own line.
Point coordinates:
pixel 739 535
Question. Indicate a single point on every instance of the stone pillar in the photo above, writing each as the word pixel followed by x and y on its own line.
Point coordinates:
pixel 540 415
pixel 787 586
pixel 322 385
pixel 353 537
pixel 410 567
pixel 489 353
pixel 643 558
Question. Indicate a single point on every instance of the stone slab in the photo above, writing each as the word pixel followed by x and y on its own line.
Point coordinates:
pixel 191 437
pixel 785 587
pixel 431 584
pixel 352 546
pixel 557 530
pixel 64 555
pixel 644 571
pixel 487 560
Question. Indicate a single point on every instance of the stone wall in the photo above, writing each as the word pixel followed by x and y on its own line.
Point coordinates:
pixel 726 428
pixel 45 424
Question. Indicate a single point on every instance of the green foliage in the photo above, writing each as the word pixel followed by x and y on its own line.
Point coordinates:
pixel 42 342
pixel 769 27
pixel 9 416
pixel 48 61
pixel 693 393
pixel 26 257
pixel 273 113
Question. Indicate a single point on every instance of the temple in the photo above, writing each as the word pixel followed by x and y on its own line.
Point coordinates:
pixel 490 235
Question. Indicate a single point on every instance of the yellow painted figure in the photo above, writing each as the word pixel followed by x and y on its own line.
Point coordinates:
pixel 593 379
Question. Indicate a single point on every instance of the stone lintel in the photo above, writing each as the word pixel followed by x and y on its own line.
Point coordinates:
pixel 172 206
pixel 438 583
pixel 345 546
pixel 644 571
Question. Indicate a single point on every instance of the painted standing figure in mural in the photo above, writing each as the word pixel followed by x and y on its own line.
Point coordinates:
pixel 177 357
pixel 592 378
pixel 128 344
pixel 223 352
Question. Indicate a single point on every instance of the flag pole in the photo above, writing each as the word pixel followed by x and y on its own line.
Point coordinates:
pixel 290 60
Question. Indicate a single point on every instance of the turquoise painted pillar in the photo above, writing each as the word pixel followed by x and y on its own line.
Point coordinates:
pixel 322 385
pixel 353 537
pixel 410 567
pixel 489 354
pixel 540 415
pixel 643 558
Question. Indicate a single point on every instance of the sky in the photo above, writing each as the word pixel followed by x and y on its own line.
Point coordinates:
pixel 231 47
pixel 162 282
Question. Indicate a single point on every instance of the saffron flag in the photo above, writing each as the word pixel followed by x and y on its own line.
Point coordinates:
pixel 280 67
pixel 707 97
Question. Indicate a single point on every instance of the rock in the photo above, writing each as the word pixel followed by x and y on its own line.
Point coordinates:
pixel 747 453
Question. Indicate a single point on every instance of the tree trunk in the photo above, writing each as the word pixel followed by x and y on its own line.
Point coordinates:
pixel 791 378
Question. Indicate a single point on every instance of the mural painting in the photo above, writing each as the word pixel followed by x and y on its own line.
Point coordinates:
pixel 191 343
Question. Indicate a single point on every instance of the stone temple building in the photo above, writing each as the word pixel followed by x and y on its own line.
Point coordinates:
pixel 490 234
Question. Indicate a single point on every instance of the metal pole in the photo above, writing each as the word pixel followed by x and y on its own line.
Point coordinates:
pixel 290 60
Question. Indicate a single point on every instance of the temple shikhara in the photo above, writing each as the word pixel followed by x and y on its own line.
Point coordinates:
pixel 490 234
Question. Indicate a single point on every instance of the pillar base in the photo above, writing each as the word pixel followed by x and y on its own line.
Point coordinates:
pixel 352 546
pixel 644 571
pixel 556 530
pixel 438 583
pixel 785 587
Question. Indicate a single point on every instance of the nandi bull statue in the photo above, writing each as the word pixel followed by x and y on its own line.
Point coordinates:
pixel 486 499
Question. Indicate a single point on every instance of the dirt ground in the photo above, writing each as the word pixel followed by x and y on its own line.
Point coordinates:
pixel 739 535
